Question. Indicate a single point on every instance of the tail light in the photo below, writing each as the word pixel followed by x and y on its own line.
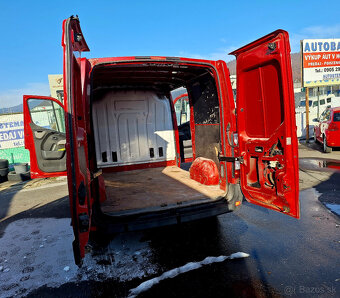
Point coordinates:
pixel 333 127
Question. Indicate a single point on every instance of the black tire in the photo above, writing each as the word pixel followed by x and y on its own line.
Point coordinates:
pixel 13 176
pixel 3 163
pixel 3 178
pixel 326 149
pixel 4 172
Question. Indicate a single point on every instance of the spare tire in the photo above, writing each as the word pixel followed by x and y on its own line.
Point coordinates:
pixel 13 176
pixel 3 163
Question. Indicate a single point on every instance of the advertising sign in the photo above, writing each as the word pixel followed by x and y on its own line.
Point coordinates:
pixel 320 62
pixel 11 131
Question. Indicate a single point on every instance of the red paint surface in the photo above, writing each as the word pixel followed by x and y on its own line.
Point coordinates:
pixel 175 128
pixel 204 171
pixel 78 171
pixel 329 128
pixel 265 117
pixel 141 166
pixel 185 96
pixel 29 141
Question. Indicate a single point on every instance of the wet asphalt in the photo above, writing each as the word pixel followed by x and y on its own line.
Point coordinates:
pixel 288 257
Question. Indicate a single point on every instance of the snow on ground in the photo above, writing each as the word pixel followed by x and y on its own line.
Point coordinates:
pixel 37 252
pixel 146 285
pixel 333 207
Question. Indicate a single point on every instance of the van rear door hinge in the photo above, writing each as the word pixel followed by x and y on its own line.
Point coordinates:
pixel 84 222
pixel 230 158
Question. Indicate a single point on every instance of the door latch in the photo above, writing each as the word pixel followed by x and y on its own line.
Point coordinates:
pixel 230 158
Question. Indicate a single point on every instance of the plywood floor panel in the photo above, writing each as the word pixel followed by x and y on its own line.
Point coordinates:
pixel 153 187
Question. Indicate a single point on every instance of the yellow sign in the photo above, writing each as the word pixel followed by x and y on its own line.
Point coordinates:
pixel 320 62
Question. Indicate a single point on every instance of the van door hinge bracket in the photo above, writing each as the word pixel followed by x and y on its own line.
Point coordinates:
pixel 97 174
pixel 230 158
pixel 84 222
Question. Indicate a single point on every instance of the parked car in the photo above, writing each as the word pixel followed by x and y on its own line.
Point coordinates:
pixel 120 146
pixel 327 129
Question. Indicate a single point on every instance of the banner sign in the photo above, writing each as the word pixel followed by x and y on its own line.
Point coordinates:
pixel 11 131
pixel 320 62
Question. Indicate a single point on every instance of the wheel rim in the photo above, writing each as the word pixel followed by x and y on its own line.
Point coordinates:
pixel 324 144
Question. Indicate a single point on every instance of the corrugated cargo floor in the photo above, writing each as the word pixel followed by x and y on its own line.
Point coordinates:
pixel 133 190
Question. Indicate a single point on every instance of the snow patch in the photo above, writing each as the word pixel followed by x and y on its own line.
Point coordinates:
pixel 26 266
pixel 183 269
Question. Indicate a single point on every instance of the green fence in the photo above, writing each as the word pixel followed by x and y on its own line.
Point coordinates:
pixel 15 155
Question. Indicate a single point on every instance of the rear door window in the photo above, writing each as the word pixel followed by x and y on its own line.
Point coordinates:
pixel 336 117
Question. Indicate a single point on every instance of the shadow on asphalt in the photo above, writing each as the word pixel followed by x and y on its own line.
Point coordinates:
pixel 315 146
pixel 330 189
pixel 175 246
pixel 6 197
pixel 56 209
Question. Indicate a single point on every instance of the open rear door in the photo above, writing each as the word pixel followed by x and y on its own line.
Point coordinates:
pixel 45 137
pixel 266 124
pixel 78 173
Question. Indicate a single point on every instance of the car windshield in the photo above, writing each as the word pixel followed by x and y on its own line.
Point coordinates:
pixel 303 103
pixel 336 117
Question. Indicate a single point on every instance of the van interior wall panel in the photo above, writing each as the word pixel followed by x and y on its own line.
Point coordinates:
pixel 205 101
pixel 207 141
pixel 132 127
pixel 156 187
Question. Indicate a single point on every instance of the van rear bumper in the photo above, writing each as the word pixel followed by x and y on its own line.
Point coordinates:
pixel 109 224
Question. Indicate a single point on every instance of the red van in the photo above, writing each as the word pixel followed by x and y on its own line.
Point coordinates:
pixel 120 148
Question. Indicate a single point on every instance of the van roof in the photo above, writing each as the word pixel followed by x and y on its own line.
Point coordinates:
pixel 95 61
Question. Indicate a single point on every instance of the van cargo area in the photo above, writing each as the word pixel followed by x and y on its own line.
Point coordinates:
pixel 156 187
pixel 135 135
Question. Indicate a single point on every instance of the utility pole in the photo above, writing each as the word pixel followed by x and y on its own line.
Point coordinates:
pixel 318 102
pixel 307 115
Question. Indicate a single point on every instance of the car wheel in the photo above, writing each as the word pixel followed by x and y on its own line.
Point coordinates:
pixel 315 139
pixel 326 149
